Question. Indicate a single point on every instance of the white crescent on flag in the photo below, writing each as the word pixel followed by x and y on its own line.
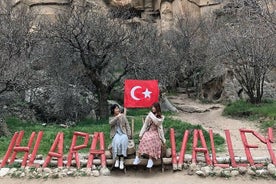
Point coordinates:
pixel 132 92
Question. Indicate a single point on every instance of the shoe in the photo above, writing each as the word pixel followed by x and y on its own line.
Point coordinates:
pixel 122 165
pixel 136 161
pixel 116 163
pixel 150 163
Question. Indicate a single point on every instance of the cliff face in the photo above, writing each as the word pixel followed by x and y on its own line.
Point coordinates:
pixel 46 7
pixel 162 10
pixel 196 7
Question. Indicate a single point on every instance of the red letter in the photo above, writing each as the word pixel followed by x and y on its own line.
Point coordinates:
pixel 15 146
pixel 214 156
pixel 172 138
pixel 204 148
pixel 94 151
pixel 269 146
pixel 74 149
pixel 230 150
pixel 57 143
pixel 262 139
pixel 183 150
pixel 36 146
pixel 11 145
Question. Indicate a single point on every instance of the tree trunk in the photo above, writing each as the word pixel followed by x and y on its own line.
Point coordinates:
pixel 102 95
pixel 4 131
pixel 103 104
pixel 255 99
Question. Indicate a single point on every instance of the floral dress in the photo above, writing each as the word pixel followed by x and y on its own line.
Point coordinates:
pixel 150 143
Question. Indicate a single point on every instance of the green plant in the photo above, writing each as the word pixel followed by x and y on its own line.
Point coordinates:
pixel 267 124
pixel 264 111
pixel 14 165
pixel 238 109
pixel 90 126
pixel 225 174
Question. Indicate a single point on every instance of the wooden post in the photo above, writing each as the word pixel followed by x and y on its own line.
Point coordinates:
pixel 231 151
pixel 132 128
pixel 214 156
pixel 230 148
pixel 269 146
pixel 58 142
pixel 36 146
pixel 10 148
pixel 183 150
pixel 195 141
pixel 173 146
pixel 204 148
pixel 18 141
pixel 26 149
pixel 103 157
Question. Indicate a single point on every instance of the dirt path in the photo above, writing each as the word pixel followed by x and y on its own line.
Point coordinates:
pixel 211 118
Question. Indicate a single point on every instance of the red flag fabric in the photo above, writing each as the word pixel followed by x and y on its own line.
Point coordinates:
pixel 140 93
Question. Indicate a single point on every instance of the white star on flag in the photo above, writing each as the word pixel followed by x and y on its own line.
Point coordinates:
pixel 147 93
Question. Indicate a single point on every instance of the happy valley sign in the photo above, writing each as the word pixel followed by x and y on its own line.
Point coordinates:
pixel 56 149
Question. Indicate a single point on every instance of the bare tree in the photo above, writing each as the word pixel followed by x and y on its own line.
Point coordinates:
pixel 15 42
pixel 4 131
pixel 99 46
pixel 190 41
pixel 268 13
pixel 153 59
pixel 247 44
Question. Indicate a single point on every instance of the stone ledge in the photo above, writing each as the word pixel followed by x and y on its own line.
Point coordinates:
pixel 200 170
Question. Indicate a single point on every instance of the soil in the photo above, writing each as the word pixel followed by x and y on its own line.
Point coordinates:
pixel 143 177
pixel 210 118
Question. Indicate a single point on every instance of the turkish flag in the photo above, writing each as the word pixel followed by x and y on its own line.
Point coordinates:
pixel 140 93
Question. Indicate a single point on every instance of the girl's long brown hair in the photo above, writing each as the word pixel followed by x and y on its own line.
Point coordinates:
pixel 157 106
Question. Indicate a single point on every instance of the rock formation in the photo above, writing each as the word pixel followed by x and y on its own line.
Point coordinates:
pixel 196 7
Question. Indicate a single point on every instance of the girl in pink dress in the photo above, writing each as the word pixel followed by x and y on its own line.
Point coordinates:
pixel 151 136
